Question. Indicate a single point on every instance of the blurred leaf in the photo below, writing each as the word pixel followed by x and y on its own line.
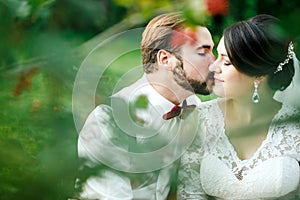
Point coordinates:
pixel 196 13
pixel 141 102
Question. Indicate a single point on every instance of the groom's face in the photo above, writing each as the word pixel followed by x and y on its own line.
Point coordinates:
pixel 196 57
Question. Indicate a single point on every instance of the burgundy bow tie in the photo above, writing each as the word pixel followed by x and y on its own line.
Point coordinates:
pixel 180 111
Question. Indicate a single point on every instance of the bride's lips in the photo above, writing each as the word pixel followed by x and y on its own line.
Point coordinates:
pixel 217 79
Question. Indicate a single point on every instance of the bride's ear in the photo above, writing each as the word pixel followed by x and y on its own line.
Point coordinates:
pixel 259 79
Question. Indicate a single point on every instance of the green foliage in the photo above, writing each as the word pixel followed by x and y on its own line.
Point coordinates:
pixel 38 64
pixel 38 152
pixel 148 8
pixel 39 28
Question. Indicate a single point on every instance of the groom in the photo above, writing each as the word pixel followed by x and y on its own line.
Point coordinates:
pixel 175 62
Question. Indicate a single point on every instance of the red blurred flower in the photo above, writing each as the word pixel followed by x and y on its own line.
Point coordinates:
pixel 181 36
pixel 24 81
pixel 177 38
pixel 217 7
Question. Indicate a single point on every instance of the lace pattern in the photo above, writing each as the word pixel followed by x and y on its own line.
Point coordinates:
pixel 283 139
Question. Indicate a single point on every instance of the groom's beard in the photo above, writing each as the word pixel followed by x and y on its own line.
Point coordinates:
pixel 196 86
pixel 199 87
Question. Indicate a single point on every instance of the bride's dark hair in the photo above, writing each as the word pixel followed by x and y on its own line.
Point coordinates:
pixel 256 47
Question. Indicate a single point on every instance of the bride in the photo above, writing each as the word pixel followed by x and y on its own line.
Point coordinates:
pixel 248 143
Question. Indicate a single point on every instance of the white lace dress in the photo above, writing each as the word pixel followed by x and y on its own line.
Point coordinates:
pixel 211 168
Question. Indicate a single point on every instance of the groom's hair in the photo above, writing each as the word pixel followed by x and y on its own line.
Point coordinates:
pixel 157 35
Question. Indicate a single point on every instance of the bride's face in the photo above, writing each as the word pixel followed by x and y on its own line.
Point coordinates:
pixel 228 81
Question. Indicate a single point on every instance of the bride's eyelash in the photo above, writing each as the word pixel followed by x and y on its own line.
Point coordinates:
pixel 227 63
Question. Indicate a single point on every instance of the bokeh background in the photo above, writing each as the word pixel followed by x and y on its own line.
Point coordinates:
pixel 42 46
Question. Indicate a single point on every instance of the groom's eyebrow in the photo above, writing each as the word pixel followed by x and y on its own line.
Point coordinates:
pixel 204 47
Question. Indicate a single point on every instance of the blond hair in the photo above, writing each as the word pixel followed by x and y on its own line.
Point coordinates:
pixel 157 35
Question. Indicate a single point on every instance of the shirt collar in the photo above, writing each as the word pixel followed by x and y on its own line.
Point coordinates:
pixel 143 87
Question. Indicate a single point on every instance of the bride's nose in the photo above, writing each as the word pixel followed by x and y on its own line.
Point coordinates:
pixel 214 67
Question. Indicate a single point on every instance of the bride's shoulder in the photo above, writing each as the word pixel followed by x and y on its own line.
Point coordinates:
pixel 210 109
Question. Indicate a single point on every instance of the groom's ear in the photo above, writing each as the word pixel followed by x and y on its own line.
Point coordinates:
pixel 164 58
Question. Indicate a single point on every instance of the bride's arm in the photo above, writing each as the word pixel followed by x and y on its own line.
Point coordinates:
pixel 189 184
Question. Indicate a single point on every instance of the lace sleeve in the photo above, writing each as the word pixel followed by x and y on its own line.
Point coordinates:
pixel 291 131
pixel 189 186
pixel 189 175
pixel 296 141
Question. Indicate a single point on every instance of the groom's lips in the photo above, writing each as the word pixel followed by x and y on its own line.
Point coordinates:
pixel 210 78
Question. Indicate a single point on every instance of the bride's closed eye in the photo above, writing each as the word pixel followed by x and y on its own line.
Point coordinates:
pixel 227 63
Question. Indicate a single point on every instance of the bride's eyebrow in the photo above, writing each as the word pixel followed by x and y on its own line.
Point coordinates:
pixel 224 55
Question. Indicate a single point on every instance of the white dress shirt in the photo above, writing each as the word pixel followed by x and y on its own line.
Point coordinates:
pixel 104 131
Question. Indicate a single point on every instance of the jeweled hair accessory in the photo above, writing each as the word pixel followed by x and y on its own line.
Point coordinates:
pixel 289 56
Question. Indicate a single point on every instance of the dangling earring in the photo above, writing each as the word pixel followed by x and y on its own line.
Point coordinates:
pixel 255 96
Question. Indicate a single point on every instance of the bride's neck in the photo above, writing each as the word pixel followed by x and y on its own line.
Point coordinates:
pixel 249 112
